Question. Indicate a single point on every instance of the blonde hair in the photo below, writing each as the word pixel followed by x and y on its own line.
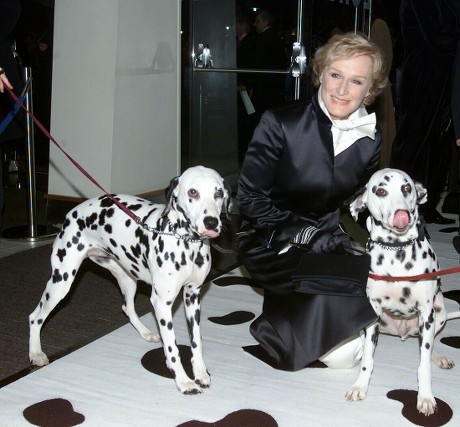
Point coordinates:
pixel 348 45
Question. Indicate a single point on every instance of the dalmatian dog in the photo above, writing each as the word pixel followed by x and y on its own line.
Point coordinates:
pixel 398 247
pixel 168 248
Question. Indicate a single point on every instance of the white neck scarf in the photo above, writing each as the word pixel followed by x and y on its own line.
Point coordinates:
pixel 346 132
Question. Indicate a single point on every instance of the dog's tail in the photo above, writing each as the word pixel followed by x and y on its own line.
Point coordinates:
pixel 453 315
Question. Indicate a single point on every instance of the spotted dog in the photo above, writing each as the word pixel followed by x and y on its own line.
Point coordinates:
pixel 398 247
pixel 169 249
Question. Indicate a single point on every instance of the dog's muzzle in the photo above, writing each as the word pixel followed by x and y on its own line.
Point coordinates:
pixel 212 227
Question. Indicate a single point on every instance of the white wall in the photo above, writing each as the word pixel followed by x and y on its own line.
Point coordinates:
pixel 116 95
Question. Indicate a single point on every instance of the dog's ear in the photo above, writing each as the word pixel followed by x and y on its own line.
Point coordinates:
pixel 170 193
pixel 358 203
pixel 422 193
pixel 228 198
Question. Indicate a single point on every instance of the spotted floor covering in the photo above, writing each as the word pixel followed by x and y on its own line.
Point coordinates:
pixel 121 380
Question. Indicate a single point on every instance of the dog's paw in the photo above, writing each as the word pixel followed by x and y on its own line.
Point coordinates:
pixel 188 387
pixel 356 393
pixel 203 384
pixel 38 358
pixel 426 405
pixel 151 336
pixel 203 379
pixel 442 362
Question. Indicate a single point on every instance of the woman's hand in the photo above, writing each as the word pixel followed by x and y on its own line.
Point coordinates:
pixel 4 82
pixel 317 240
pixel 326 243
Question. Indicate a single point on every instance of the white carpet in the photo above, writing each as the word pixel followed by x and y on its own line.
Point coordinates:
pixel 106 384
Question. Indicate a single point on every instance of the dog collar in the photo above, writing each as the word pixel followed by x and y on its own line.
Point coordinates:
pixel 392 246
pixel 172 232
pixel 395 246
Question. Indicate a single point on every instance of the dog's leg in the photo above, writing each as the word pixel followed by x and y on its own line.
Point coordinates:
pixel 442 316
pixel 128 288
pixel 162 300
pixel 440 360
pixel 193 314
pixel 63 275
pixel 426 403
pixel 359 389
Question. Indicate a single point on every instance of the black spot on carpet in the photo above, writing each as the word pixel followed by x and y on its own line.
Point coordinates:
pixel 235 280
pixel 451 341
pixel 409 400
pixel 453 295
pixel 241 418
pixel 154 361
pixel 234 318
pixel 53 413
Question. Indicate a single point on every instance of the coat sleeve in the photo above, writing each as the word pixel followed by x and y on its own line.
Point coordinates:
pixel 257 178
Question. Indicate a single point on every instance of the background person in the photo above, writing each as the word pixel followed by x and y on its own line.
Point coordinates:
pixel 245 42
pixel 268 54
pixel 424 139
pixel 10 11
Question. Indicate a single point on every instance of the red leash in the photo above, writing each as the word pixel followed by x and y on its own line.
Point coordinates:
pixel 76 164
pixel 424 276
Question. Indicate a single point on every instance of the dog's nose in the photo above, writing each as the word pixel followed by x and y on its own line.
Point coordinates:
pixel 211 222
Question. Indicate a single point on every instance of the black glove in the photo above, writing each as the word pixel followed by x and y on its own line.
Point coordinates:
pixel 317 240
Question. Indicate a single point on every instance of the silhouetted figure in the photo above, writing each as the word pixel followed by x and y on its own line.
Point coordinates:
pixel 10 10
pixel 424 138
pixel 268 54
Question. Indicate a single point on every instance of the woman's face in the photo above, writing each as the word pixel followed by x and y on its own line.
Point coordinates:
pixel 345 84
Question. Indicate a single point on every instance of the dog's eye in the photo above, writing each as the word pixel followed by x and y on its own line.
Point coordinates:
pixel 406 188
pixel 219 193
pixel 381 192
pixel 193 193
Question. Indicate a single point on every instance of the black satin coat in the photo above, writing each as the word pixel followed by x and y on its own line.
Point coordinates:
pixel 290 178
pixel 424 138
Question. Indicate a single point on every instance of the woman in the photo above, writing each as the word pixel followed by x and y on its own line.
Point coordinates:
pixel 303 161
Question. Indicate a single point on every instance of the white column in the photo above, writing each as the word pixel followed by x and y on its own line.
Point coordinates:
pixel 116 96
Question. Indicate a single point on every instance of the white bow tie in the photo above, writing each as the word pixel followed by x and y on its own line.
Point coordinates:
pixel 359 127
pixel 346 132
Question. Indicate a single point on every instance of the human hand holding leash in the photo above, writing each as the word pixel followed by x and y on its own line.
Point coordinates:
pixel 4 81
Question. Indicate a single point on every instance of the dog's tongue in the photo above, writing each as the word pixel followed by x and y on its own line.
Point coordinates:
pixel 211 233
pixel 401 219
